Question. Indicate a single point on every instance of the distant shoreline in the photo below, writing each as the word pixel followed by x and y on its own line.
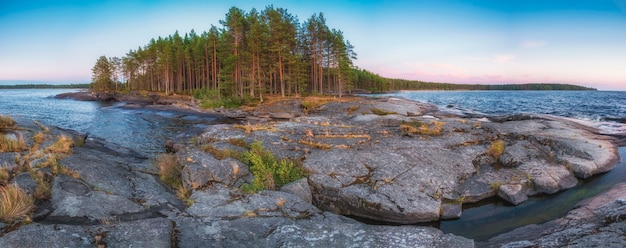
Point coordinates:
pixel 45 86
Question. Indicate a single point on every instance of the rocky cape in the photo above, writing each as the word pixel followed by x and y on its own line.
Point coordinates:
pixel 390 160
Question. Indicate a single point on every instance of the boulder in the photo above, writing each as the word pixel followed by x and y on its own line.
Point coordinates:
pixel 203 170
pixel 73 199
pixel 450 211
pixel 299 188
pixel 513 193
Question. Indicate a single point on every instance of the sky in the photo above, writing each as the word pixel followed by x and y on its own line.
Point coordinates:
pixel 485 42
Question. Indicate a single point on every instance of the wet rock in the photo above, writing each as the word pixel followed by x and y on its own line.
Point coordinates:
pixel 513 193
pixel 450 211
pixel 299 188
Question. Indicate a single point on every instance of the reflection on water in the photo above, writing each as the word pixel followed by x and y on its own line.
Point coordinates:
pixel 488 219
pixel 143 130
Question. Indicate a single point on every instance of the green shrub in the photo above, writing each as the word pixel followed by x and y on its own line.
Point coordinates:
pixel 382 112
pixel 269 172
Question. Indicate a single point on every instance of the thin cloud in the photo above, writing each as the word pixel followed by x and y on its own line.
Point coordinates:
pixel 503 58
pixel 534 43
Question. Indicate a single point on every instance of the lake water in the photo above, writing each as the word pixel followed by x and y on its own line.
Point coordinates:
pixel 142 130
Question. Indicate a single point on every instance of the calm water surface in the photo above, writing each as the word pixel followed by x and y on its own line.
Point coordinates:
pixel 142 130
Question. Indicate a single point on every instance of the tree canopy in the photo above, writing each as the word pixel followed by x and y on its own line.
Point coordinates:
pixel 251 54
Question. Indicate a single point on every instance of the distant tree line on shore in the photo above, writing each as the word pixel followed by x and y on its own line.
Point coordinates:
pixel 371 82
pixel 46 86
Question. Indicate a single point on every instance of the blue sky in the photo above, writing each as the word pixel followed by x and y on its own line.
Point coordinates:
pixel 548 41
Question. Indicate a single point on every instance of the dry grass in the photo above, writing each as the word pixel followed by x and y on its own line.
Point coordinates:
pixel 352 109
pixel 496 149
pixel 38 139
pixel 4 176
pixel 222 154
pixel 318 145
pixel 15 204
pixel 44 128
pixel 11 145
pixel 434 128
pixel 238 142
pixel 6 122
pixel 170 174
pixel 63 145
pixel 169 170
pixel 43 190
pixel 345 136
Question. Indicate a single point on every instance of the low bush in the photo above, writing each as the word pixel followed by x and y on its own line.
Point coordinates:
pixel 15 204
pixel 496 149
pixel 269 172
pixel 6 122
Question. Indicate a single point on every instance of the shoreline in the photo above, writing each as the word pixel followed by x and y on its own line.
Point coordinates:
pixel 305 116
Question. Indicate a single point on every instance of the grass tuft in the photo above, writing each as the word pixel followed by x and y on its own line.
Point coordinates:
pixel 11 145
pixel 382 112
pixel 496 149
pixel 317 145
pixel 169 170
pixel 15 204
pixel 4 176
pixel 269 172
pixel 63 145
pixel 434 128
pixel 222 154
pixel 6 122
